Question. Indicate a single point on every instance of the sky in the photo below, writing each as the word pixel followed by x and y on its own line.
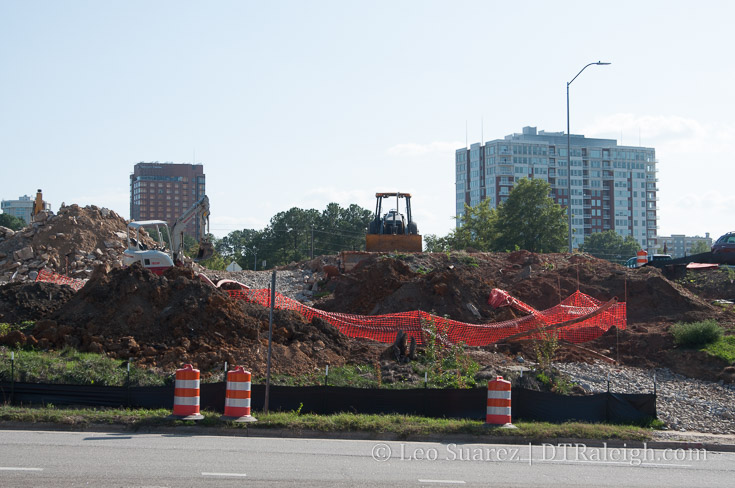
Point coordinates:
pixel 299 104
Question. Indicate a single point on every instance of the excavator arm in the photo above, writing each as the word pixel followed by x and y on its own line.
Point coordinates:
pixel 198 212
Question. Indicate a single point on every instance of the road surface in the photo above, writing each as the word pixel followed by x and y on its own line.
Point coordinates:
pixel 65 459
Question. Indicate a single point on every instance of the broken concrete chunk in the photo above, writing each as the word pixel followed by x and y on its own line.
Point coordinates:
pixel 23 254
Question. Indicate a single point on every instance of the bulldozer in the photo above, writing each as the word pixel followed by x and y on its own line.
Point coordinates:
pixel 393 231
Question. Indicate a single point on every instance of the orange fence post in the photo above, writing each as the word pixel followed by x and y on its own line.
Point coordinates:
pixel 498 402
pixel 237 397
pixel 186 394
pixel 641 258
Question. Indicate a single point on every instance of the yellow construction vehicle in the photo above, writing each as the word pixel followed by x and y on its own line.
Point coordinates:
pixel 393 231
pixel 38 206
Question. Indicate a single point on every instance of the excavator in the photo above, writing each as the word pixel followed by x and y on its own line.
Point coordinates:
pixel 159 258
pixel 393 231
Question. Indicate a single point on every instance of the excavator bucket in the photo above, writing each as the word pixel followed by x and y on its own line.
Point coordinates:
pixel 206 251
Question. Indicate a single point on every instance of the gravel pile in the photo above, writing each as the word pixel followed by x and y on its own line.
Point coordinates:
pixel 296 284
pixel 683 403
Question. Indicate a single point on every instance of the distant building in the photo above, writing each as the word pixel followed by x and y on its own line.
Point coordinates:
pixel 612 187
pixel 163 191
pixel 22 207
pixel 679 245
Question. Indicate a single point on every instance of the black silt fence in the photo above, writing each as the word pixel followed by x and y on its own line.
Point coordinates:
pixel 465 403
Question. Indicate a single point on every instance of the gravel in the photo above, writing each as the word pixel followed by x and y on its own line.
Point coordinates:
pixel 294 284
pixel 684 404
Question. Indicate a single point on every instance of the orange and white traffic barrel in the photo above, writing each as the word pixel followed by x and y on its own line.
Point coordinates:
pixel 641 258
pixel 498 402
pixel 237 396
pixel 186 394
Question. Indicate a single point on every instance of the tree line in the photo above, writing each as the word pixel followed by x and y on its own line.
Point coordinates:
pixel 528 219
pixel 292 236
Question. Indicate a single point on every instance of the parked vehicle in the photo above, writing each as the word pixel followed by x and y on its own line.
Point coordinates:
pixel 657 258
pixel 632 262
pixel 724 244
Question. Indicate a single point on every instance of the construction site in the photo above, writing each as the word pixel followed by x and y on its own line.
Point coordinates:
pixel 65 275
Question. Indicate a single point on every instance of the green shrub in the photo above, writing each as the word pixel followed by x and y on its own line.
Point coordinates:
pixel 695 334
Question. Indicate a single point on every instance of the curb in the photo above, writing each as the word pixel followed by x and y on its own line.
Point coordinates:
pixel 254 431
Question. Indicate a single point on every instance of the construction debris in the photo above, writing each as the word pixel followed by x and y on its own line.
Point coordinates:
pixel 70 243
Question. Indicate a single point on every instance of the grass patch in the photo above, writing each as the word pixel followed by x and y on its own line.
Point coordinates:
pixel 696 334
pixel 403 426
pixel 724 349
pixel 71 367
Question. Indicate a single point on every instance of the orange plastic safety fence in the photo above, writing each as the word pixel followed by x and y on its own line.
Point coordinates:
pixel 51 277
pixel 383 328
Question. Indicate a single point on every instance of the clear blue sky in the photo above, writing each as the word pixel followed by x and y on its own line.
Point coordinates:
pixel 293 103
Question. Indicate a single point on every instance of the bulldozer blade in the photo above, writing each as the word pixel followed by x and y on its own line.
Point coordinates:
pixel 206 251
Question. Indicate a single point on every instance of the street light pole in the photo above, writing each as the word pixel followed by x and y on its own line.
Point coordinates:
pixel 569 158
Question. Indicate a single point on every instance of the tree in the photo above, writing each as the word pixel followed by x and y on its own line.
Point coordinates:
pixel 432 243
pixel 700 247
pixel 611 246
pixel 290 235
pixel 11 221
pixel 529 219
pixel 477 230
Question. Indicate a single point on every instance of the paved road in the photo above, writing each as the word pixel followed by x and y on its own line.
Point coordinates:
pixel 61 459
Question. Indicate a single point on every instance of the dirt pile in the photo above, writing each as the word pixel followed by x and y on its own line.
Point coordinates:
pixel 20 302
pixel 167 321
pixel 70 243
pixel 459 284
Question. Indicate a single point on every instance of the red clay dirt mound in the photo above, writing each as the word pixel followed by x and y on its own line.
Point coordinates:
pixel 167 321
pixel 20 302
pixel 459 284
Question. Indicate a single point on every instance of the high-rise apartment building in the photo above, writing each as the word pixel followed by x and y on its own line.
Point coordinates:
pixel 612 187
pixel 163 191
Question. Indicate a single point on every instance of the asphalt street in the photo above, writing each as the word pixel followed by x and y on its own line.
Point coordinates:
pixel 65 459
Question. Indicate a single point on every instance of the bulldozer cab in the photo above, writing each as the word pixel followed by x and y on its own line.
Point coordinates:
pixel 393 231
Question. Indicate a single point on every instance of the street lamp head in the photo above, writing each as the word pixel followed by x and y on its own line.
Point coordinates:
pixel 600 63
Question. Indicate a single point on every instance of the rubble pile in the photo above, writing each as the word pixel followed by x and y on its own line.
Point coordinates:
pixel 72 243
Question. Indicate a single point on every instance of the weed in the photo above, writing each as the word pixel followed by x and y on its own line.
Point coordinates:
pixel 730 270
pixel 378 374
pixel 448 365
pixel 545 347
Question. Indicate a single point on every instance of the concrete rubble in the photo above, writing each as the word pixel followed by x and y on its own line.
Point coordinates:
pixel 71 242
